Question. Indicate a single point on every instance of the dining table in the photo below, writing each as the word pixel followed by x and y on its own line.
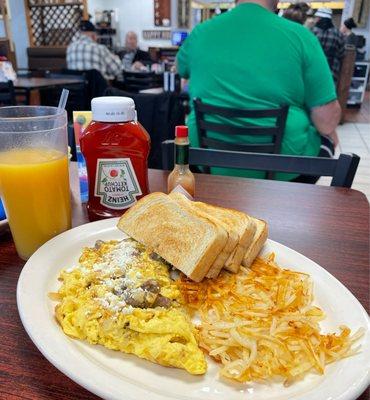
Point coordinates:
pixel 330 225
pixel 27 85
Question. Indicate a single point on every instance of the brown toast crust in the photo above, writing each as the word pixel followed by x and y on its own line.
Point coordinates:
pixel 187 241
pixel 236 258
pixel 259 240
pixel 217 216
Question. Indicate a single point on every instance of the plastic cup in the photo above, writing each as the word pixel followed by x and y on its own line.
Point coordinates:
pixel 34 177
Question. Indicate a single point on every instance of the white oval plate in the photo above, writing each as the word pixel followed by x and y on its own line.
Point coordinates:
pixel 114 375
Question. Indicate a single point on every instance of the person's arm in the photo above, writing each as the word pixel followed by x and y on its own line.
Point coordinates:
pixel 326 118
pixel 113 63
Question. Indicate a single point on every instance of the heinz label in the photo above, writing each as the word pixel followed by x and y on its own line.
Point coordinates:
pixel 116 183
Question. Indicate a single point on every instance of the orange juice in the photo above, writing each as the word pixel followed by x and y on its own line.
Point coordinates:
pixel 34 186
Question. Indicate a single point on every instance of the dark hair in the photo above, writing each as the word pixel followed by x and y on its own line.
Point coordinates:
pixel 350 23
pixel 303 6
pixel 87 26
pixel 295 13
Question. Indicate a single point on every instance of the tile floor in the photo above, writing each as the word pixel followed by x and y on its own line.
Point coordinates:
pixel 355 138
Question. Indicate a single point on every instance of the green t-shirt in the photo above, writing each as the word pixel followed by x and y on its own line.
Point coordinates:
pixel 250 58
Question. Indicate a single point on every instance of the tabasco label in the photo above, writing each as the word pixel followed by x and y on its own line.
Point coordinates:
pixel 183 191
pixel 116 183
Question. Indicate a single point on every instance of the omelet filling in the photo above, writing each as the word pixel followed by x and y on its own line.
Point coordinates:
pixel 122 296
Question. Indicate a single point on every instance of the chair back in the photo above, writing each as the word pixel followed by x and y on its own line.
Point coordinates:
pixel 7 96
pixel 136 81
pixel 46 58
pixel 159 114
pixel 273 134
pixel 90 84
pixel 96 84
pixel 342 170
pixel 77 93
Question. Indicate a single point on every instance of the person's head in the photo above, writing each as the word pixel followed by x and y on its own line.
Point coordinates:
pixel 88 29
pixel 269 4
pixel 324 13
pixel 295 13
pixel 303 6
pixel 348 25
pixel 131 40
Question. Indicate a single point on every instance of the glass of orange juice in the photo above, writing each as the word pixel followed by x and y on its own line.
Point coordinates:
pixel 34 178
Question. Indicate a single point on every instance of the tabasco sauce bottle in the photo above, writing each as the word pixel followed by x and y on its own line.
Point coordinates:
pixel 116 149
pixel 181 179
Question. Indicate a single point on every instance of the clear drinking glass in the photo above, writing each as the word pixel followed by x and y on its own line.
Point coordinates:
pixel 34 178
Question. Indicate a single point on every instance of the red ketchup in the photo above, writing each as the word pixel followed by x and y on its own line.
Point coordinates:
pixel 116 149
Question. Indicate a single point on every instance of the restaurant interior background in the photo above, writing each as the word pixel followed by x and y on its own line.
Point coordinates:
pixel 274 281
pixel 39 30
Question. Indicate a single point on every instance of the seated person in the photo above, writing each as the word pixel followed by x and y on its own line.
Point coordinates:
pixel 284 64
pixel 331 39
pixel 132 57
pixel 84 53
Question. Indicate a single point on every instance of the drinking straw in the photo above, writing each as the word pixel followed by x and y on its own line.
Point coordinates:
pixel 61 106
pixel 63 99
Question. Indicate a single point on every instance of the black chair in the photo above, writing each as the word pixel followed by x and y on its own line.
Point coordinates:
pixel 96 83
pixel 7 95
pixel 273 133
pixel 91 84
pixel 342 170
pixel 77 98
pixel 159 114
pixel 136 81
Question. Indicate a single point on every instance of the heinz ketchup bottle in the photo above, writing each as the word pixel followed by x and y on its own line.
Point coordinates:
pixel 116 149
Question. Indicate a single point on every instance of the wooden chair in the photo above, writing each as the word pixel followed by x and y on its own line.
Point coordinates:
pixel 7 95
pixel 345 78
pixel 47 58
pixel 274 132
pixel 342 170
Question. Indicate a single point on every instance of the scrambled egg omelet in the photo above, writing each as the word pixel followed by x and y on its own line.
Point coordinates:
pixel 122 297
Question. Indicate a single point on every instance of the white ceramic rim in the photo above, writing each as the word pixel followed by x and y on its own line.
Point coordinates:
pixel 80 373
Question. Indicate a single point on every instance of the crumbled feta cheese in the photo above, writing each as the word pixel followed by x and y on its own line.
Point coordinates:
pixel 100 266
pixel 127 310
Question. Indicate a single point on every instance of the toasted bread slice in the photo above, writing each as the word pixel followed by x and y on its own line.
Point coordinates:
pixel 247 228
pixel 259 240
pixel 238 224
pixel 219 217
pixel 187 241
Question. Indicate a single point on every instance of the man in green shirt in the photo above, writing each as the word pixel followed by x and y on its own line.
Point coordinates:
pixel 249 58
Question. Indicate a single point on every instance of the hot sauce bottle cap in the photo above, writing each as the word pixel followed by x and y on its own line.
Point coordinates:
pixel 113 109
pixel 181 131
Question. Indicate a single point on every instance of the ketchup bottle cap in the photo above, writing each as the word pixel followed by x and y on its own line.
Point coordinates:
pixel 181 131
pixel 113 109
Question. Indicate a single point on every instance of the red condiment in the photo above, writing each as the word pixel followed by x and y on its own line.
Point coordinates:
pixel 116 149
